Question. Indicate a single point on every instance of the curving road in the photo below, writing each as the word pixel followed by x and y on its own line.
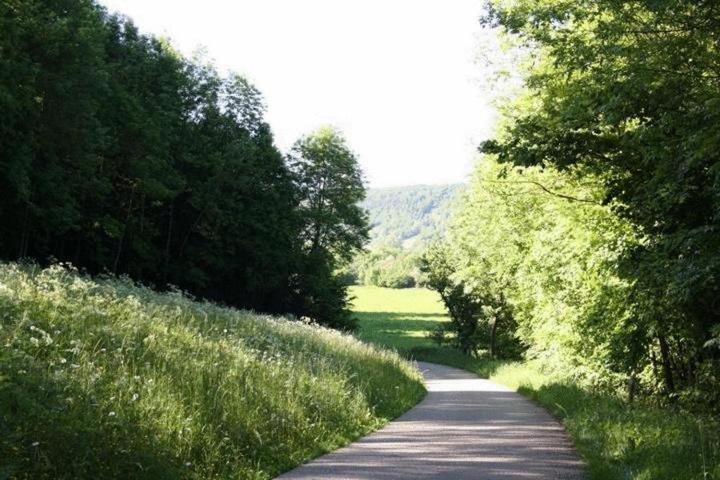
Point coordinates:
pixel 465 428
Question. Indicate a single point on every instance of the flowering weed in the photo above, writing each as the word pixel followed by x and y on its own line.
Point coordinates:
pixel 108 379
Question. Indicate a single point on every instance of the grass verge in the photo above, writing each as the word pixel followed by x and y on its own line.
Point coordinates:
pixel 616 440
pixel 107 379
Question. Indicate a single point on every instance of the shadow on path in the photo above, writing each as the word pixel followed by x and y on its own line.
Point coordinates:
pixel 465 428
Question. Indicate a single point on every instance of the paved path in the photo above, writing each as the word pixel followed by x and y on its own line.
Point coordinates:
pixel 465 428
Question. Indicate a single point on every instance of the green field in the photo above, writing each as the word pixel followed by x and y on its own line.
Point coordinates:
pixel 397 318
pixel 108 379
pixel 616 440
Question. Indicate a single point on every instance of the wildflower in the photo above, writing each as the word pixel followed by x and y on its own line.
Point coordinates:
pixel 135 397
pixel 63 361
pixel 188 464
pixel 35 444
pixel 111 414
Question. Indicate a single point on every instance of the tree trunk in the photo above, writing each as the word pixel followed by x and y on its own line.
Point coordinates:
pixel 493 336
pixel 24 235
pixel 632 387
pixel 122 237
pixel 167 241
pixel 667 368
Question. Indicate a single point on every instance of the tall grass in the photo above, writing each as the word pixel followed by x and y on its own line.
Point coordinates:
pixel 108 379
pixel 620 440
pixel 617 440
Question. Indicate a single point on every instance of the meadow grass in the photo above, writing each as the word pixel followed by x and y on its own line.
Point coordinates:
pixel 396 318
pixel 615 439
pixel 108 379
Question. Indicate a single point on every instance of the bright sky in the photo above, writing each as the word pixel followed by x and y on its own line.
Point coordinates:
pixel 398 77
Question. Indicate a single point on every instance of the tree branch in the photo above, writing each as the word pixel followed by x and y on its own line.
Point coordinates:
pixel 547 190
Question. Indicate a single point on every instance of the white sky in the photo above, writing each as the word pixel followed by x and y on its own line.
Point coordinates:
pixel 398 77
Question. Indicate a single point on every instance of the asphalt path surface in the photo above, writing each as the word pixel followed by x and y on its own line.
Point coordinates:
pixel 465 428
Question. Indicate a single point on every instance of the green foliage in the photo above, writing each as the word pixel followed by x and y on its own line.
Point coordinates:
pixel 538 239
pixel 108 379
pixel 119 155
pixel 625 95
pixel 386 267
pixel 404 221
pixel 334 227
pixel 615 439
pixel 480 316
pixel 409 216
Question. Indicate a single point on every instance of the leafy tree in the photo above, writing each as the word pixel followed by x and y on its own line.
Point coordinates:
pixel 334 226
pixel 384 266
pixel 627 92
pixel 120 155
pixel 331 186
pixel 480 316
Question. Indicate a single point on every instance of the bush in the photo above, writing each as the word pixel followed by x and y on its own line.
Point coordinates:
pixel 480 318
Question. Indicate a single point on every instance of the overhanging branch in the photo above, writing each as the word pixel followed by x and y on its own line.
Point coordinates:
pixel 546 190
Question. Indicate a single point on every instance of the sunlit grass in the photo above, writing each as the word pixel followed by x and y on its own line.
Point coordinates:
pixel 616 440
pixel 107 379
pixel 397 318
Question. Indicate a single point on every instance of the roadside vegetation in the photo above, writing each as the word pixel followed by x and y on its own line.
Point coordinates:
pixel 586 247
pixel 616 439
pixel 108 379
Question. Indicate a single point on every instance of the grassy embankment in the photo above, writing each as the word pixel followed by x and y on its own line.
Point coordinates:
pixel 617 441
pixel 106 379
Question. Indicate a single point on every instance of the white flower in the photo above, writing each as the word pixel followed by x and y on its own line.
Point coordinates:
pixel 35 444
pixel 135 397
pixel 111 414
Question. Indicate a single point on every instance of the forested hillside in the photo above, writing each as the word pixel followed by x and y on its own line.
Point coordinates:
pixel 120 155
pixel 409 217
pixel 404 221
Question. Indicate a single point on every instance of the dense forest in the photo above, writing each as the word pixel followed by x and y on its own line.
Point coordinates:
pixel 590 230
pixel 121 156
pixel 408 216
pixel 404 221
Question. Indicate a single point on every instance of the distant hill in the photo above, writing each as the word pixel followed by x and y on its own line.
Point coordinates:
pixel 409 216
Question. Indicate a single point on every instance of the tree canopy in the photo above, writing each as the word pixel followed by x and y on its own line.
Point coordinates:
pixel 122 156
pixel 334 226
pixel 600 218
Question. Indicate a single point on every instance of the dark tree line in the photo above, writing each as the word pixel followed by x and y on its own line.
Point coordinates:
pixel 120 155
